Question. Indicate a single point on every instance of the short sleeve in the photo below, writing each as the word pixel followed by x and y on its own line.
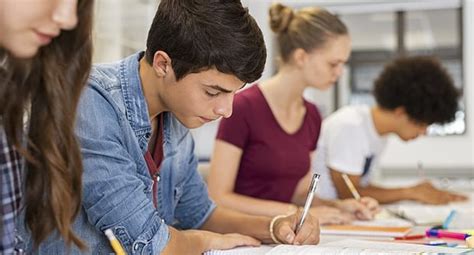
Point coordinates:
pixel 235 129
pixel 315 121
pixel 346 146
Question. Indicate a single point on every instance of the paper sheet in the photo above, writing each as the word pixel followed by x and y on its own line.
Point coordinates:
pixel 346 246
pixel 423 214
pixel 262 250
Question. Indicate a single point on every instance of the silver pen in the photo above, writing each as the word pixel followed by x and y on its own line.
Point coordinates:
pixel 309 199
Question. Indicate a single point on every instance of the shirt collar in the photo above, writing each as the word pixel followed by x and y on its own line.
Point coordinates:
pixel 135 103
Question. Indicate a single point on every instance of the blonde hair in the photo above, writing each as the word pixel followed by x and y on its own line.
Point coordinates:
pixel 308 28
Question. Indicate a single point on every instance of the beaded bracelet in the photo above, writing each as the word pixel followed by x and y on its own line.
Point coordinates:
pixel 272 234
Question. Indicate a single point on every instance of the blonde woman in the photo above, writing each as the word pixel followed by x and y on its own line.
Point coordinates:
pixel 262 155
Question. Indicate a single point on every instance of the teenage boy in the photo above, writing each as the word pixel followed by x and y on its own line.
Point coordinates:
pixel 140 178
pixel 411 94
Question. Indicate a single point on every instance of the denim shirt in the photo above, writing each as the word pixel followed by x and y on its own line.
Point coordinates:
pixel 113 127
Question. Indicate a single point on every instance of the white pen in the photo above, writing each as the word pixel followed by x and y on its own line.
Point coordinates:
pixel 309 199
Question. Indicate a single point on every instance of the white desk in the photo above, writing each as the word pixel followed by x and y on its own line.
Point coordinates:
pixel 344 239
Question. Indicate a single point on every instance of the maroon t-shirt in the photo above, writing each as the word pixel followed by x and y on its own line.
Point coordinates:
pixel 153 158
pixel 273 161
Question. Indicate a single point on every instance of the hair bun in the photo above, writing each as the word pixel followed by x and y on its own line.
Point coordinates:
pixel 280 17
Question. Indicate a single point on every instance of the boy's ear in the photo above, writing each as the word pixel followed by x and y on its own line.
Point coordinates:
pixel 161 63
pixel 399 111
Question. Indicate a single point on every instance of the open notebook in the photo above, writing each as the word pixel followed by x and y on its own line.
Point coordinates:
pixel 346 246
pixel 422 214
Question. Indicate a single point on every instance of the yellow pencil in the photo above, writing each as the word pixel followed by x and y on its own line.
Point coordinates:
pixel 116 246
pixel 351 186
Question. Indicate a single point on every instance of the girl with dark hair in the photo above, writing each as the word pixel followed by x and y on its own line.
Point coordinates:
pixel 45 57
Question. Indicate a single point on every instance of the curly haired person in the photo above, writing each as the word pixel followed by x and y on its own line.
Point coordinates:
pixel 411 93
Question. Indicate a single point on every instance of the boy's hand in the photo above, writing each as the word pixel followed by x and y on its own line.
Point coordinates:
pixel 215 241
pixel 364 209
pixel 425 192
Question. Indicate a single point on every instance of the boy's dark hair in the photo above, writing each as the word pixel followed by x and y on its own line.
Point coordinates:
pixel 422 86
pixel 203 34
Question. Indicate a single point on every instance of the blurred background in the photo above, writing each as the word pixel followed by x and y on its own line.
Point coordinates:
pixel 380 31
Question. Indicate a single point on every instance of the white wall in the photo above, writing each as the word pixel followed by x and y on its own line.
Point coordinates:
pixel 121 27
pixel 452 153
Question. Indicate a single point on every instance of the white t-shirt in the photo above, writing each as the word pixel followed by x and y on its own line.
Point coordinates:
pixel 348 143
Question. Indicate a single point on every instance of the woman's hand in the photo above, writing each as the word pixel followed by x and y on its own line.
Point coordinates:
pixel 330 215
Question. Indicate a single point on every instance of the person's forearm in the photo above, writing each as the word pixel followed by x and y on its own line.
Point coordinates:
pixel 300 200
pixel 194 242
pixel 224 221
pixel 387 195
pixel 254 206
pixel 323 202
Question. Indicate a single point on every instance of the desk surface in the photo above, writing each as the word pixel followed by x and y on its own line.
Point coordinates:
pixel 328 239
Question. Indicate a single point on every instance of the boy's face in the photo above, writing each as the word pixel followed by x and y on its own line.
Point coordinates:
pixel 201 97
pixel 409 129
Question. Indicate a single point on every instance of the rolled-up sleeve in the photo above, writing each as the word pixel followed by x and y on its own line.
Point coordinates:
pixel 114 196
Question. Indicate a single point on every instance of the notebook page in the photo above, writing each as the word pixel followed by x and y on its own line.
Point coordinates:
pixel 311 250
pixel 393 246
pixel 423 214
pixel 352 246
pixel 261 250
pixel 341 247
